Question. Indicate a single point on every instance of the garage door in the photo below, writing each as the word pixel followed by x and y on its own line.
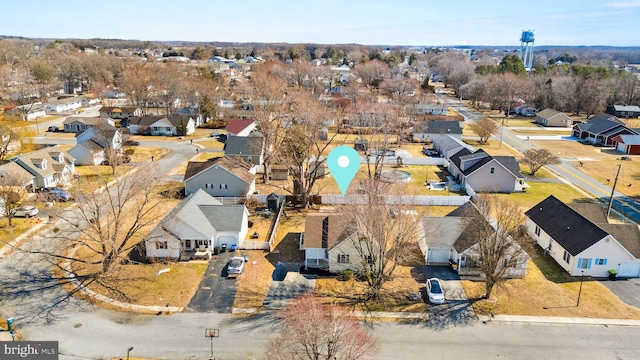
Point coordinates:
pixel 438 256
pixel 229 240
pixel 629 269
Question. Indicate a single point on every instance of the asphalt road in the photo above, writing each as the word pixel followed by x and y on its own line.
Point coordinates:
pixel 566 170
pixel 216 291
pixel 101 334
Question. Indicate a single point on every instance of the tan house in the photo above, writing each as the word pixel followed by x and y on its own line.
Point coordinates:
pixel 328 245
pixel 551 117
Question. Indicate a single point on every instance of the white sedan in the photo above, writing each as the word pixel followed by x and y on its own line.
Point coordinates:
pixel 435 291
pixel 25 211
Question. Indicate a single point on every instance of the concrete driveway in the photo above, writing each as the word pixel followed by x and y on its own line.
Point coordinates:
pixel 456 310
pixel 216 292
pixel 628 290
pixel 287 284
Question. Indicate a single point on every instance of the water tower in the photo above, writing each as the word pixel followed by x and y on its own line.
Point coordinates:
pixel 526 48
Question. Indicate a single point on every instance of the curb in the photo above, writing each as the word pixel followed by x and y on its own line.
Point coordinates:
pixel 559 320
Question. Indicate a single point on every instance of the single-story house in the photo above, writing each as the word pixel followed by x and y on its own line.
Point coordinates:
pixel 624 111
pixel 579 238
pixel 119 112
pixel 250 147
pixel 51 166
pixel 241 127
pixel 449 238
pixel 63 105
pixel 601 129
pixel 17 178
pixel 33 111
pixel 224 177
pixel 327 245
pixel 80 124
pixel 551 117
pixel 428 130
pixel 628 144
pixel 161 125
pixel 486 173
pixel 195 226
pixel 426 109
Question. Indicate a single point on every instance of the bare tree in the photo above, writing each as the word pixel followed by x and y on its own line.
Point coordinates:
pixel 302 148
pixel 268 95
pixel 484 128
pixel 373 73
pixel 503 89
pixel 314 331
pixel 106 225
pixel 386 226
pixel 9 197
pixel 8 137
pixel 495 223
pixel 537 158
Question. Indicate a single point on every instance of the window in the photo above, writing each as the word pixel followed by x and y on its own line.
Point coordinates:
pixel 343 259
pixel 537 230
pixel 368 259
pixel 161 245
pixel 493 170
pixel 223 186
pixel 584 263
pixel 187 244
pixel 601 261
pixel 566 257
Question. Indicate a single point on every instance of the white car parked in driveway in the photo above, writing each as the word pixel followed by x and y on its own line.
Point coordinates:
pixel 435 291
pixel 25 211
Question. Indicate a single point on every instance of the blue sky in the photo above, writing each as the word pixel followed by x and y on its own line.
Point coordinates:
pixel 370 22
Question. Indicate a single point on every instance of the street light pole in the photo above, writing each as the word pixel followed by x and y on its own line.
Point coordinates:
pixel 580 291
pixel 128 351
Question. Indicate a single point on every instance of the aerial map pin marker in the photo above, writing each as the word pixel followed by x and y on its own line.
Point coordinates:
pixel 343 163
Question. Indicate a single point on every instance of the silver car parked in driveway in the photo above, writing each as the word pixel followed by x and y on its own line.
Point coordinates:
pixel 236 266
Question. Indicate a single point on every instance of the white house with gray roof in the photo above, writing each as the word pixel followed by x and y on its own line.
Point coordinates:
pixel 485 173
pixel 51 166
pixel 195 226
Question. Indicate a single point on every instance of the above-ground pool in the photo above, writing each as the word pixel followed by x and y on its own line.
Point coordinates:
pixel 395 176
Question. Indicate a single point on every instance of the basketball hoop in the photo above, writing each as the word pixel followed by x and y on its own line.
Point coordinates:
pixel 211 333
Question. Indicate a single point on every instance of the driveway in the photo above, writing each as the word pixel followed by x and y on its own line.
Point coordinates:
pixel 216 292
pixel 287 284
pixel 456 309
pixel 628 290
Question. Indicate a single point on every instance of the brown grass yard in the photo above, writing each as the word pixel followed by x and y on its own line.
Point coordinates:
pixel 253 285
pixel 395 293
pixel 536 295
pixel 598 163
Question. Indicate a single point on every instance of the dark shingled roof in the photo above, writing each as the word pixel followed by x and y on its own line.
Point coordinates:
pixel 244 145
pixel 574 232
pixel 235 165
pixel 145 120
pixel 600 123
pixel 510 163
pixel 437 127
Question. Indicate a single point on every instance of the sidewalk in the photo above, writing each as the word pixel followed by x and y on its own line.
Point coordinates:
pixel 558 320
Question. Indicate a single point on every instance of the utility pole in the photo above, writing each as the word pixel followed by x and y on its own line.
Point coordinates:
pixel 615 181
pixel 501 131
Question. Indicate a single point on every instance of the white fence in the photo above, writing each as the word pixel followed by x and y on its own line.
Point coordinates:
pixel 398 199
pixel 437 161
pixel 255 245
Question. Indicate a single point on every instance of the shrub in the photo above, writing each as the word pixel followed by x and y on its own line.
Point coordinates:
pixel 347 274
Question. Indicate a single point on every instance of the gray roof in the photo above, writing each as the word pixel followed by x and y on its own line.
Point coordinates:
pixel 437 127
pixel 202 214
pixel 632 108
pixel 14 174
pixel 447 143
pixel 245 145
pixel 600 123
pixel 92 121
pixel 29 161
pixel 224 217
pixel 510 163
pixel 145 120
